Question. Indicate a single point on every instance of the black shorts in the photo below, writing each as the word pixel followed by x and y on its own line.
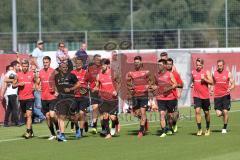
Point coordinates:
pixel 66 106
pixel 202 103
pixel 95 99
pixel 167 105
pixel 48 105
pixel 139 102
pixel 26 105
pixel 222 103
pixel 82 103
pixel 110 107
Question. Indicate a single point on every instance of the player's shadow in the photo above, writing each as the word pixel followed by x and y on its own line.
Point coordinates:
pixel 132 132
pixel 193 133
pixel 217 130
pixel 43 137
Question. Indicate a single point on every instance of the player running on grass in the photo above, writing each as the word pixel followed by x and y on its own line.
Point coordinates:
pixel 178 90
pixel 201 79
pixel 138 82
pixel 223 84
pixel 108 91
pixel 165 90
pixel 48 95
pixel 66 83
pixel 81 94
pixel 92 72
pixel 25 82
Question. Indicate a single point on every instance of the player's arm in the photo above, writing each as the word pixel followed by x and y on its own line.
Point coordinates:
pixel 174 82
pixel 152 82
pixel 97 84
pixel 208 78
pixel 16 83
pixel 117 80
pixel 8 80
pixel 231 81
pixel 129 81
pixel 3 90
pixel 75 86
pixel 211 87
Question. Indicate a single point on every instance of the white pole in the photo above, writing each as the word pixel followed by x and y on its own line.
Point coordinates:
pixel 131 8
pixel 39 20
pixel 14 26
pixel 179 38
pixel 226 23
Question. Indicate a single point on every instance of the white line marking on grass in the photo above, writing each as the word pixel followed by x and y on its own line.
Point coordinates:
pixel 123 125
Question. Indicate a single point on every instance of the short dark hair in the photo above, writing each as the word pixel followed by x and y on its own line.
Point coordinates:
pixel 163 54
pixel 105 61
pixel 7 67
pixel 78 59
pixel 200 60
pixel 61 42
pixel 14 63
pixel 162 61
pixel 138 58
pixel 47 57
pixel 170 60
pixel 221 60
pixel 96 55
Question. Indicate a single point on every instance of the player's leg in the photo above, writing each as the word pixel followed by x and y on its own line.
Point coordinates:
pixel 226 107
pixel 28 104
pixel 61 119
pixel 95 113
pixel 162 108
pixel 207 118
pixel 198 117
pixel 82 119
pixel 106 125
pixel 206 108
pixel 225 121
pixel 54 120
pixel 45 111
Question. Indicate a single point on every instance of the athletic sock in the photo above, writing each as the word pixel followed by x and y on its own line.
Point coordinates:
pixel 114 123
pixel 102 125
pixel 199 126
pixel 207 125
pixel 81 129
pixel 141 128
pixel 72 125
pixel 76 126
pixel 28 130
pixel 94 124
pixel 164 130
pixel 117 121
pixel 56 125
pixel 51 128
pixel 225 126
pixel 106 125
pixel 174 123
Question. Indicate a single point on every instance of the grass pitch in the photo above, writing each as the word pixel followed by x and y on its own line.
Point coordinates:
pixel 184 145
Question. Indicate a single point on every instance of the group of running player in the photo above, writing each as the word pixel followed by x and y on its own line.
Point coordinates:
pixel 67 94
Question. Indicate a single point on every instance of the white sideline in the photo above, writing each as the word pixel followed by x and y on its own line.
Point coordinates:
pixel 16 139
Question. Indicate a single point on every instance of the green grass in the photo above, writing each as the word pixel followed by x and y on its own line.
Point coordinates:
pixel 182 146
